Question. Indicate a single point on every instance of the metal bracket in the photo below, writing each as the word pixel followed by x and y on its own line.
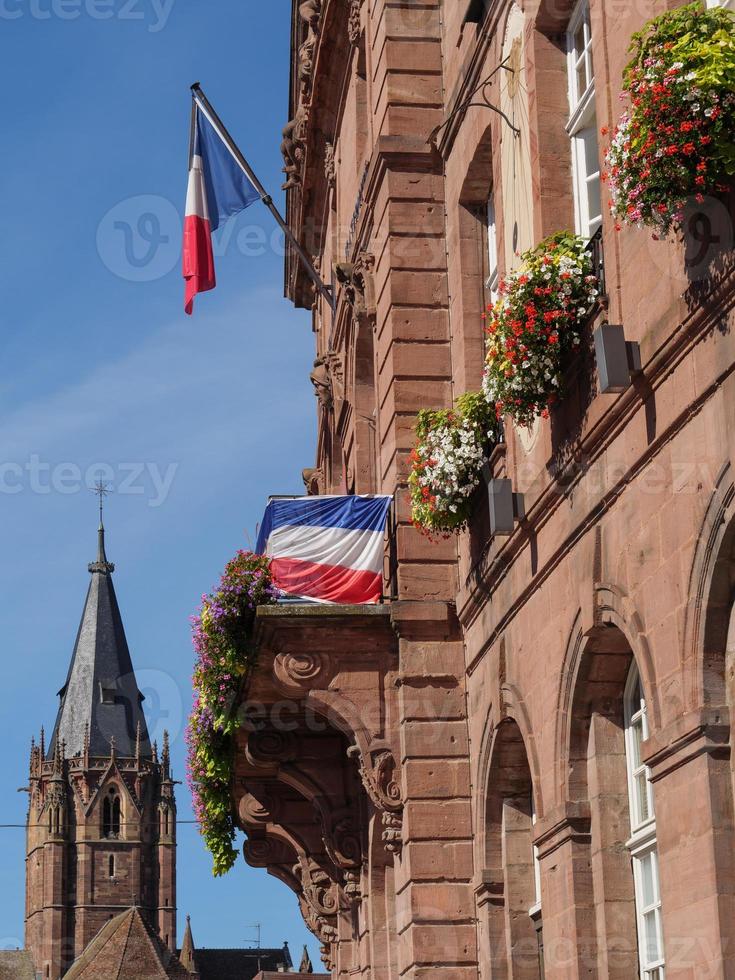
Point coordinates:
pixel 482 89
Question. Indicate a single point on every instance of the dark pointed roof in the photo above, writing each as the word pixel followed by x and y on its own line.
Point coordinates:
pixel 101 693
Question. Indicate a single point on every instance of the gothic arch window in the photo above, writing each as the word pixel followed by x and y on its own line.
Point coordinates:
pixel 111 814
pixel 642 843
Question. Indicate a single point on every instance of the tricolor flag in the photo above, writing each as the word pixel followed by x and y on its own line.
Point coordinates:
pixel 328 549
pixel 218 188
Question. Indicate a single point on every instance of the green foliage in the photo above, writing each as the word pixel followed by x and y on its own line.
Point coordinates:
pixel 677 140
pixel 452 446
pixel 222 635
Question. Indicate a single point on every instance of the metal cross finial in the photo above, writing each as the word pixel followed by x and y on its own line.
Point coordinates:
pixel 102 490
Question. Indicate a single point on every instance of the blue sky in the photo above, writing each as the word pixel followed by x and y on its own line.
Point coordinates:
pixel 195 420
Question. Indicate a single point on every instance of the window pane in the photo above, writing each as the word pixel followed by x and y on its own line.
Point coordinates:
pixel 581 79
pixel 579 40
pixel 650 927
pixel 641 781
pixel 648 888
pixel 636 737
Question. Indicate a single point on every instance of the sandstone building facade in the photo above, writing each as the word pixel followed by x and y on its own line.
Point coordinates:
pixel 519 765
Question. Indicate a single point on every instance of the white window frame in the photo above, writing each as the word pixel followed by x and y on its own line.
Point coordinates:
pixel 535 909
pixel 493 279
pixel 582 116
pixel 642 844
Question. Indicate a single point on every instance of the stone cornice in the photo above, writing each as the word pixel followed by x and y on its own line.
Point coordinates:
pixel 705 732
pixel 569 823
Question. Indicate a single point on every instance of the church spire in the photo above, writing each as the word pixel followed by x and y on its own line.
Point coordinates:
pixel 100 701
pixel 188 950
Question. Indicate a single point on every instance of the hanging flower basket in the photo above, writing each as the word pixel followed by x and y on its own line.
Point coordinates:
pixel 222 635
pixel 452 447
pixel 676 141
pixel 536 325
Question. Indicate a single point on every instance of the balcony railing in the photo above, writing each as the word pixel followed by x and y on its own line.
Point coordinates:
pixel 594 247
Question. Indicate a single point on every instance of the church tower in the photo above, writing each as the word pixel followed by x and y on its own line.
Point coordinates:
pixel 101 829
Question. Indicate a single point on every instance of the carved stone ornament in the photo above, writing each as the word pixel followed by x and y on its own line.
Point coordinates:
pixel 310 12
pixel 342 842
pixel 306 58
pixel 313 480
pixel 393 832
pixel 260 809
pixel 297 673
pixel 327 956
pixel 356 279
pixel 330 165
pixel 320 890
pixel 380 778
pixel 354 24
pixel 266 852
pixel 293 146
pixel 353 889
pixel 322 382
pixel 270 748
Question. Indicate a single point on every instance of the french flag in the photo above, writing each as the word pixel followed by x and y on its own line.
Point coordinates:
pixel 327 549
pixel 218 189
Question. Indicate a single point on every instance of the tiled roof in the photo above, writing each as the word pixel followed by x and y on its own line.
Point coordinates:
pixel 239 964
pixel 16 965
pixel 127 949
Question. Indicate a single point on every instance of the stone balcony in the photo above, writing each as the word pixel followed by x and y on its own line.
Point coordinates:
pixel 316 782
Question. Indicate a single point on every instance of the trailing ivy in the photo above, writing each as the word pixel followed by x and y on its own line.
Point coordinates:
pixel 222 635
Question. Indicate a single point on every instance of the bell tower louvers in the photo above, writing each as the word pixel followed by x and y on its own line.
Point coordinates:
pixel 101 833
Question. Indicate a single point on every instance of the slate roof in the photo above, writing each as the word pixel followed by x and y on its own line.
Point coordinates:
pixel 16 965
pixel 239 964
pixel 127 948
pixel 101 693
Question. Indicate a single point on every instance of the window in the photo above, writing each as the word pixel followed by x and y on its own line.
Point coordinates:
pixel 111 866
pixel 111 814
pixel 642 844
pixel 535 910
pixel 582 125
pixel 492 251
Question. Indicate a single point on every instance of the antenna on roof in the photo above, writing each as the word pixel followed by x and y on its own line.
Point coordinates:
pixel 257 926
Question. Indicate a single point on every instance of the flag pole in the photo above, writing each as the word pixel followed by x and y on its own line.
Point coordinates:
pixel 265 197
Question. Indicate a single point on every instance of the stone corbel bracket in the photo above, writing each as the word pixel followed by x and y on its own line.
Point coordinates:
pixel 380 777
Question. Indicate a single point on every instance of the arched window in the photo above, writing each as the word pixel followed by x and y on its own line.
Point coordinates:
pixel 511 919
pixel 111 814
pixel 642 843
